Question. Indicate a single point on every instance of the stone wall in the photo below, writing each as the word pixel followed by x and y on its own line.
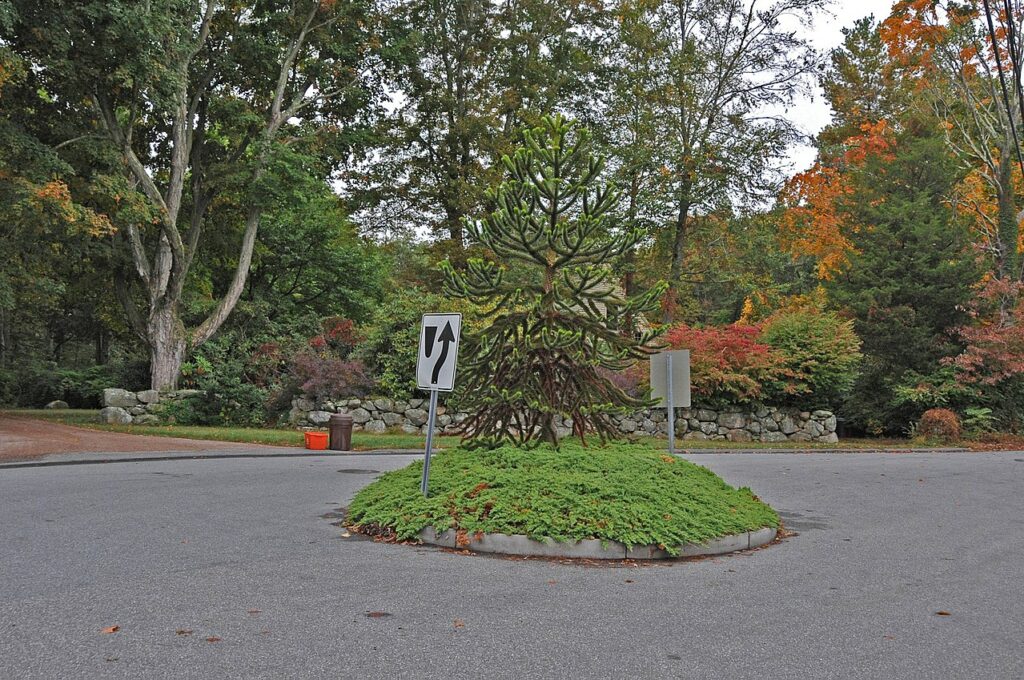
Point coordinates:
pixel 764 424
pixel 121 407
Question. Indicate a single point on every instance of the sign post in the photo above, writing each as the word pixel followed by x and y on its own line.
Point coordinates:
pixel 435 370
pixel 670 384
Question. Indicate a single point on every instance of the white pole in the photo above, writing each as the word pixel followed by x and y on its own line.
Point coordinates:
pixel 671 406
pixel 431 414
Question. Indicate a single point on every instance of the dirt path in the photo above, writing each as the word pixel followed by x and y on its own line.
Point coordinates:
pixel 26 438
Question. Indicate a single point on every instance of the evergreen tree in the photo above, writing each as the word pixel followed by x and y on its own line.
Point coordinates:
pixel 908 279
pixel 555 331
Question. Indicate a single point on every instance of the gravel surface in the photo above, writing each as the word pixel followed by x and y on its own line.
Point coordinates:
pixel 28 439
pixel 232 568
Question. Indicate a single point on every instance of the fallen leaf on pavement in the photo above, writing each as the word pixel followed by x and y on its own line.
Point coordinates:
pixel 459 623
pixel 213 638
pixel 552 582
pixel 942 613
pixel 346 535
pixel 254 612
pixel 111 629
pixel 183 631
pixel 376 615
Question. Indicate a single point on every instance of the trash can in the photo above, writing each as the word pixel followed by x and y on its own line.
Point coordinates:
pixel 340 427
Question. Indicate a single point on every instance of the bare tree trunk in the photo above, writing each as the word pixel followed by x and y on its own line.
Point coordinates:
pixel 1007 216
pixel 167 345
pixel 678 253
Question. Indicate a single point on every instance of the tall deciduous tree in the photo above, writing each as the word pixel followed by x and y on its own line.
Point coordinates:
pixel 725 70
pixel 965 65
pixel 198 99
pixel 471 74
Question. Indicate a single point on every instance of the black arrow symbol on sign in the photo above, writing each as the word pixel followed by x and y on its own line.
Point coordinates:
pixel 446 338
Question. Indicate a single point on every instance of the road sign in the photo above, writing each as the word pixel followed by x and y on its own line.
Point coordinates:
pixel 435 371
pixel 439 351
pixel 680 359
pixel 670 383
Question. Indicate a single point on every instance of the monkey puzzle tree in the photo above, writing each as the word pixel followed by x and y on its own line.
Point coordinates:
pixel 554 323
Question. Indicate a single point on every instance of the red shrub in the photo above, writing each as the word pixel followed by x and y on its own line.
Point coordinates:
pixel 939 424
pixel 727 364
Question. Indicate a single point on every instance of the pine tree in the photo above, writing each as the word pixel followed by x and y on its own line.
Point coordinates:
pixel 555 324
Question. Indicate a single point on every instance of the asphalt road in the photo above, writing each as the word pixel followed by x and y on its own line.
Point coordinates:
pixel 238 551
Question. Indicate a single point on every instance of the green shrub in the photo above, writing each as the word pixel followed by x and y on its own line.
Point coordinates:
pixel 819 354
pixel 230 397
pixel 624 492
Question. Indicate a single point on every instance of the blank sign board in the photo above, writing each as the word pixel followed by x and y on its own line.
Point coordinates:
pixel 680 377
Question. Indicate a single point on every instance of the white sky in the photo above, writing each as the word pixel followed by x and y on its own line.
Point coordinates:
pixel 811 115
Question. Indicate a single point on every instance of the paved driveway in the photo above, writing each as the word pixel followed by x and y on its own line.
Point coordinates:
pixel 237 552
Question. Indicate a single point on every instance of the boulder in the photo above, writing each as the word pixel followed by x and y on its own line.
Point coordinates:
pixel 444 420
pixel 416 416
pixel 830 438
pixel 319 418
pixel 376 426
pixel 148 396
pixel 146 419
pixel 709 428
pixel 115 415
pixel 401 407
pixel 706 415
pixel 774 437
pixel 188 394
pixel 689 436
pixel 739 436
pixel 410 429
pixel 119 398
pixel 787 425
pixel 359 415
pixel 415 403
pixel 628 425
pixel 733 421
pixel 821 415
pixel 137 410
pixel 384 404
pixel 57 404
pixel 391 419
pixel 830 424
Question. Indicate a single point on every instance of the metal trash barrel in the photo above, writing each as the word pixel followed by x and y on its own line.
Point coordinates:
pixel 340 427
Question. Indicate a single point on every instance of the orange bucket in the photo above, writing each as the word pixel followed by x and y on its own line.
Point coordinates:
pixel 316 441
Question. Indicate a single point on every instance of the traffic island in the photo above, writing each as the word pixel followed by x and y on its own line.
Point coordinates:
pixel 621 501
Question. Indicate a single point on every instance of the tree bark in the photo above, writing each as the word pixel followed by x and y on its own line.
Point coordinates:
pixel 678 254
pixel 167 344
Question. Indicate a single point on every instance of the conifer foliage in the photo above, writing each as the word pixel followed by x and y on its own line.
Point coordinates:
pixel 554 322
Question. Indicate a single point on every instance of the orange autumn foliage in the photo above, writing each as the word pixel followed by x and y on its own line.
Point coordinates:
pixel 815 223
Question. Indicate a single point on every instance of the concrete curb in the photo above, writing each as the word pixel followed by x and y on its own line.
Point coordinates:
pixel 60 459
pixel 697 451
pixel 593 549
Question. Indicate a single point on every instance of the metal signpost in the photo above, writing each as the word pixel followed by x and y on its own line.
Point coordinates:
pixel 435 369
pixel 670 384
